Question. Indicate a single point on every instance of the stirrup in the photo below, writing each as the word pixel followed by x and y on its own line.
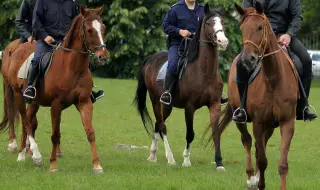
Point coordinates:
pixel 245 113
pixel 309 106
pixel 163 102
pixel 226 98
pixel 30 97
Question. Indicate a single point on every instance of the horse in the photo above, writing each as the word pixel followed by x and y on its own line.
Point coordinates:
pixel 68 81
pixel 200 85
pixel 271 96
pixel 6 56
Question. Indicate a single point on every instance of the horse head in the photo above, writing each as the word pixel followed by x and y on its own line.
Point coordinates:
pixel 255 29
pixel 213 28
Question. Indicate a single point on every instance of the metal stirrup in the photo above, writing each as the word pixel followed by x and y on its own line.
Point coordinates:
pixel 35 92
pixel 245 113
pixel 168 93
pixel 309 106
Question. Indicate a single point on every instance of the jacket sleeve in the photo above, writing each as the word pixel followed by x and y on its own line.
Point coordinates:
pixel 169 24
pixel 20 22
pixel 296 17
pixel 37 19
pixel 247 3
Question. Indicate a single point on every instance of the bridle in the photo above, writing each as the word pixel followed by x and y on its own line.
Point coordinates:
pixel 213 38
pixel 84 40
pixel 266 30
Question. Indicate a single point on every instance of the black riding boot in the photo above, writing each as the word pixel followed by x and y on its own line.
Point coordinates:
pixel 240 114
pixel 96 95
pixel 302 107
pixel 223 100
pixel 30 92
pixel 166 96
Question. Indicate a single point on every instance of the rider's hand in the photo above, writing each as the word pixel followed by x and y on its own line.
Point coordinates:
pixel 184 33
pixel 29 39
pixel 49 40
pixel 285 39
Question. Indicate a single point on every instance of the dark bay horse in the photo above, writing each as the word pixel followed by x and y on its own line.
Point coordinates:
pixel 200 85
pixel 68 82
pixel 272 95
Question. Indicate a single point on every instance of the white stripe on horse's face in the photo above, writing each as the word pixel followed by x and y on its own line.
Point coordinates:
pixel 97 26
pixel 218 29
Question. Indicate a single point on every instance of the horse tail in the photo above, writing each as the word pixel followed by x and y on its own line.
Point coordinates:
pixel 140 100
pixel 226 115
pixel 10 114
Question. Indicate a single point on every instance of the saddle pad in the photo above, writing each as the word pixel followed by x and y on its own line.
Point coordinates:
pixel 162 72
pixel 23 71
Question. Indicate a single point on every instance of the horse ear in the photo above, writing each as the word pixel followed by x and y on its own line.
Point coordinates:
pixel 100 10
pixel 259 7
pixel 82 10
pixel 239 9
pixel 206 8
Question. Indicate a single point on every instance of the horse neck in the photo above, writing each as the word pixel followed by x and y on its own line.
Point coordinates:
pixel 271 64
pixel 208 55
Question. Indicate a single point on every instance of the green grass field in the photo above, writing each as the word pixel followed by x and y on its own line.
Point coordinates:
pixel 116 121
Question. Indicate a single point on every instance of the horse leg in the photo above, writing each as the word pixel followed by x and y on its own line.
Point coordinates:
pixel 85 108
pixel 56 109
pixel 261 158
pixel 12 146
pixel 34 125
pixel 154 145
pixel 286 131
pixel 189 115
pixel 19 102
pixel 247 144
pixel 215 109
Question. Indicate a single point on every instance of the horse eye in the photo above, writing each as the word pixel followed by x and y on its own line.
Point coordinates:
pixel 90 31
pixel 259 27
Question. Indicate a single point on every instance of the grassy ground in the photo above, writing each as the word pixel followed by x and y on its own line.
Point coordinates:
pixel 116 121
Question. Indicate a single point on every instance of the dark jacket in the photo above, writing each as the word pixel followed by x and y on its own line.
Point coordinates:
pixel 53 17
pixel 24 18
pixel 181 17
pixel 285 16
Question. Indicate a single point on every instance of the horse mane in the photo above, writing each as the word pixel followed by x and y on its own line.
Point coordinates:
pixel 193 49
pixel 70 34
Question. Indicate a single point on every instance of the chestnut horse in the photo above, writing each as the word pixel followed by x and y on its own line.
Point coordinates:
pixel 200 85
pixel 68 82
pixel 272 95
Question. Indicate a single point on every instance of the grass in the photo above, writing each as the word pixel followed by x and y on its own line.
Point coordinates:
pixel 116 121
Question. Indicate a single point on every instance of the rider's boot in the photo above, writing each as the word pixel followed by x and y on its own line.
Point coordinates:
pixel 96 95
pixel 166 96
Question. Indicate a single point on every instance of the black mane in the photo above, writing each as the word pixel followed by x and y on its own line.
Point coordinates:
pixel 193 49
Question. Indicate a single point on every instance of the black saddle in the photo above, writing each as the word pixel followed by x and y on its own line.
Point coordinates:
pixel 45 62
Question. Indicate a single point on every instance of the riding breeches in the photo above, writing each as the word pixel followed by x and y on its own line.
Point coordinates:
pixel 173 59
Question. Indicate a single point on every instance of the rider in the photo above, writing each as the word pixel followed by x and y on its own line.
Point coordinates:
pixel 285 19
pixel 24 20
pixel 181 21
pixel 51 20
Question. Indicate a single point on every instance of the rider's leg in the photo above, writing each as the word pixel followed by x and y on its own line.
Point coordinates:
pixel 173 59
pixel 242 82
pixel 298 48
pixel 41 49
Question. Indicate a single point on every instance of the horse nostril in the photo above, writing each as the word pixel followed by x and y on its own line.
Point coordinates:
pixel 252 58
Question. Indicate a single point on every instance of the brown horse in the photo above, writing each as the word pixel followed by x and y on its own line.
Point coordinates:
pixel 200 85
pixel 272 95
pixel 68 82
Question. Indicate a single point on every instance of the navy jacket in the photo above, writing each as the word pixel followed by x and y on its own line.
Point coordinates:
pixel 53 17
pixel 285 16
pixel 24 18
pixel 181 17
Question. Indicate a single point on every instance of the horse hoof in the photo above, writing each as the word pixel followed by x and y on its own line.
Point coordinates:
pixel 37 161
pixel 59 154
pixel 53 170
pixel 153 160
pixel 97 171
pixel 220 168
pixel 253 183
pixel 12 148
pixel 172 163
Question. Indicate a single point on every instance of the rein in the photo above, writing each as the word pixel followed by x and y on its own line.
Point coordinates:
pixel 264 40
pixel 87 49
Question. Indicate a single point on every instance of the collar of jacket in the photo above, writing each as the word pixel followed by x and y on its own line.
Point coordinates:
pixel 184 3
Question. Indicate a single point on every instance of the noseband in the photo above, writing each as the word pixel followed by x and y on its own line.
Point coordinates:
pixel 266 30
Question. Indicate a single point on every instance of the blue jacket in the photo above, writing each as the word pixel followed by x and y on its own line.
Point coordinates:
pixel 53 17
pixel 181 17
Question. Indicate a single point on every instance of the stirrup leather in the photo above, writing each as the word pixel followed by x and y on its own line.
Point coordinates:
pixel 166 103
pixel 28 88
pixel 238 110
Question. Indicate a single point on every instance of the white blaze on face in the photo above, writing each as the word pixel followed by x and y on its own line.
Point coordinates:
pixel 97 26
pixel 221 38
